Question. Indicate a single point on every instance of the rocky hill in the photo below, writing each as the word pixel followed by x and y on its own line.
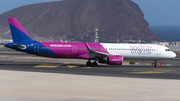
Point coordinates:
pixel 76 20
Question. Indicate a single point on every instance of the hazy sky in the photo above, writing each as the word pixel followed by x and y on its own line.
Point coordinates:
pixel 6 5
pixel 160 12
pixel 157 12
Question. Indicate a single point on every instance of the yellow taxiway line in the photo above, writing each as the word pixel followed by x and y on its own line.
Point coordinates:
pixel 148 72
pixel 46 66
pixel 156 71
pixel 166 70
pixel 76 66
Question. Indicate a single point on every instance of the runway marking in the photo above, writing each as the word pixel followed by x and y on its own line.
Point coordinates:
pixel 85 67
pixel 134 70
pixel 46 66
pixel 156 71
pixel 66 63
pixel 49 65
pixel 72 66
pixel 76 66
pixel 166 70
pixel 148 72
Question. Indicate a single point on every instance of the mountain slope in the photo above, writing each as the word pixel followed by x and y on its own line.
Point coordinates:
pixel 76 20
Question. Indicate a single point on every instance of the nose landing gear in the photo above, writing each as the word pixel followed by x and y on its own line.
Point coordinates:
pixel 156 65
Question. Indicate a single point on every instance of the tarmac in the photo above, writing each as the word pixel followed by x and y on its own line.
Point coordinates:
pixel 32 78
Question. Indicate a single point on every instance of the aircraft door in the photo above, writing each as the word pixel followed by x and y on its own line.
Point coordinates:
pixel 158 50
pixel 36 47
pixel 74 48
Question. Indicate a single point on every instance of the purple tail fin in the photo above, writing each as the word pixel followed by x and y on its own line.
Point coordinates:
pixel 18 33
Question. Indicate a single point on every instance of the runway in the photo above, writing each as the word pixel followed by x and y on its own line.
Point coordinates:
pixel 132 71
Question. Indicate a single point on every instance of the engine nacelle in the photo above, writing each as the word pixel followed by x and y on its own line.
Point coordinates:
pixel 113 60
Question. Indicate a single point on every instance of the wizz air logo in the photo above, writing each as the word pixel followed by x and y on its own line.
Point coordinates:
pixel 140 50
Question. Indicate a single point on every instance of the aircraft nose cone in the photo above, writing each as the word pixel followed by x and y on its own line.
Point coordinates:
pixel 174 54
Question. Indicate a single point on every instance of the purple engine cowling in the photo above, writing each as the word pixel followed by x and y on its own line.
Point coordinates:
pixel 113 60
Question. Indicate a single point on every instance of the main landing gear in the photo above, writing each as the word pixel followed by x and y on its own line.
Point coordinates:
pixel 156 65
pixel 88 63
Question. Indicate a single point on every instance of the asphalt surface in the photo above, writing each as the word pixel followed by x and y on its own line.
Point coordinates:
pixel 32 78
pixel 170 70
pixel 14 53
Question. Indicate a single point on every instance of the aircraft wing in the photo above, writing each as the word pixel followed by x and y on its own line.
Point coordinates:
pixel 94 54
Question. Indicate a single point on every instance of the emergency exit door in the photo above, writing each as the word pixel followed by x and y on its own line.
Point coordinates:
pixel 36 47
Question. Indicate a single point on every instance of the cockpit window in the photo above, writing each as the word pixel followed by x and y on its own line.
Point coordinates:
pixel 167 50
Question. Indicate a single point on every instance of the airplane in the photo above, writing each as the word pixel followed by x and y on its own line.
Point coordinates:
pixel 109 53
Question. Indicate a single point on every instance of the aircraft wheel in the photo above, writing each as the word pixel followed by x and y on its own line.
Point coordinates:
pixel 156 65
pixel 88 63
pixel 94 64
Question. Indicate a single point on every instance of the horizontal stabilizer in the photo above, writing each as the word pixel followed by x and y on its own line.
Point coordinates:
pixel 19 46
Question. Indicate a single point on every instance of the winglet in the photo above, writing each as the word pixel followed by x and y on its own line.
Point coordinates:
pixel 60 40
pixel 87 46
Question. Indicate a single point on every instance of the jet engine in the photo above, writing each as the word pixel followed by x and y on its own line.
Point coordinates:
pixel 112 60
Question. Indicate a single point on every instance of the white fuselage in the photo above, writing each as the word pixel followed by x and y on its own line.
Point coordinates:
pixel 139 51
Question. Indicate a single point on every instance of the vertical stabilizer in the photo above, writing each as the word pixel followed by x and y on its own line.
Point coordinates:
pixel 18 33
